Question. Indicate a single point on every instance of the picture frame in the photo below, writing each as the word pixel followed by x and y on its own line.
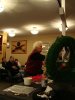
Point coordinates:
pixel 46 46
pixel 19 47
pixel 0 44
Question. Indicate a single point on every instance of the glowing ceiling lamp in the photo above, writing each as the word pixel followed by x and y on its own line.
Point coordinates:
pixel 11 33
pixel 1 6
pixel 34 31
pixel 60 28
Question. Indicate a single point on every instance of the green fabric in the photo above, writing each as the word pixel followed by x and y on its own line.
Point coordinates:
pixel 53 68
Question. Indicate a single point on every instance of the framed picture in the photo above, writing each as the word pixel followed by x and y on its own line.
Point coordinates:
pixel 0 44
pixel 19 47
pixel 46 46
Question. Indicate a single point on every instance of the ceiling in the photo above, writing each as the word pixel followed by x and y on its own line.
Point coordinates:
pixel 44 14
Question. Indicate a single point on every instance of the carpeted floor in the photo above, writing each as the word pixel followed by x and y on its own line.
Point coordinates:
pixel 62 95
pixel 4 85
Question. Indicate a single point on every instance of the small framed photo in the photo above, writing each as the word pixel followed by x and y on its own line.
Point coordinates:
pixel 46 46
pixel 0 44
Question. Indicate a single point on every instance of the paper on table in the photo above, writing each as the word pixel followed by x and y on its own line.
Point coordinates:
pixel 18 89
pixel 48 89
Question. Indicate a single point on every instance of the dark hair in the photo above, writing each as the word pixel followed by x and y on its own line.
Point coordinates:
pixel 3 58
pixel 16 59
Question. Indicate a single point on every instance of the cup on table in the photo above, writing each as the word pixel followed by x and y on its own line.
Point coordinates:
pixel 27 80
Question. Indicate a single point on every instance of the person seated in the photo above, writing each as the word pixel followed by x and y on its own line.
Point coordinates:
pixel 3 72
pixel 35 60
pixel 18 63
pixel 12 66
pixel 4 62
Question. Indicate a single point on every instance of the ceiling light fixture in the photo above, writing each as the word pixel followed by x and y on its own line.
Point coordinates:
pixel 60 28
pixel 1 6
pixel 11 33
pixel 34 30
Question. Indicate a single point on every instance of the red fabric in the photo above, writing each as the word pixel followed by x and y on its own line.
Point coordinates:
pixel 36 78
pixel 34 63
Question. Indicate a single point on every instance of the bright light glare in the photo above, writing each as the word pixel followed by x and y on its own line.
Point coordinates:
pixel 11 32
pixel 34 30
pixel 1 7
pixel 30 27
pixel 9 5
pixel 60 28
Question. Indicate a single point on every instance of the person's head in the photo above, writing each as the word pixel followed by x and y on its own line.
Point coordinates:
pixel 4 59
pixel 16 60
pixel 11 59
pixel 37 46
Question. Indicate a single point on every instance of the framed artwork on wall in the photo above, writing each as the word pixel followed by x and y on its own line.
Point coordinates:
pixel 46 46
pixel 19 47
pixel 0 44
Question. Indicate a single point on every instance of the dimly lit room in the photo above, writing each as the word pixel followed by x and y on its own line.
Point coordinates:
pixel 37 50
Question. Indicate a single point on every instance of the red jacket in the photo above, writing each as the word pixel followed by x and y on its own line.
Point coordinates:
pixel 34 63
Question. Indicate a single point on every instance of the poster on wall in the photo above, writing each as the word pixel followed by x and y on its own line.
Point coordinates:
pixel 0 44
pixel 19 47
pixel 46 46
